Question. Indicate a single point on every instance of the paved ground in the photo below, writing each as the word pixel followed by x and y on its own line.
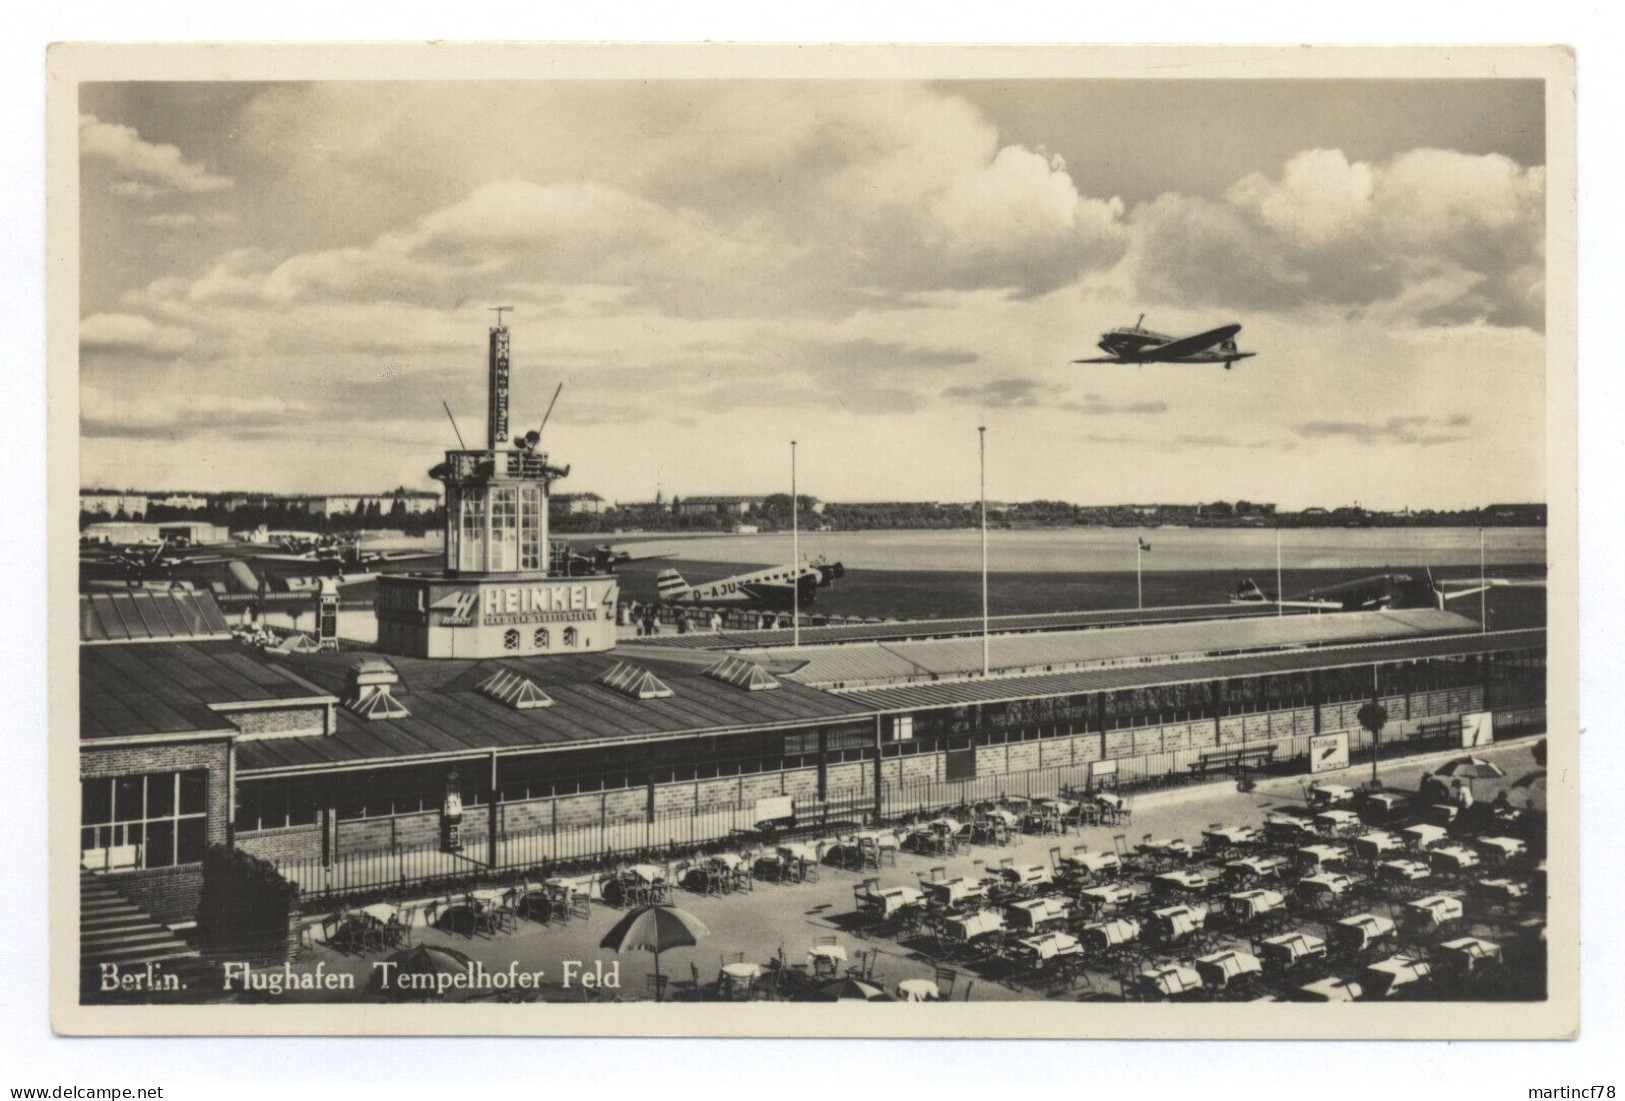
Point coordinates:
pixel 762 922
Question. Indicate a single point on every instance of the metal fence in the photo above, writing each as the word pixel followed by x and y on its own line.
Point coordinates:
pixel 427 868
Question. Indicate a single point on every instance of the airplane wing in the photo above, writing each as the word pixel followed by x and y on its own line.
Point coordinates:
pixel 631 553
pixel 1477 585
pixel 1198 343
pixel 1103 359
pixel 1324 605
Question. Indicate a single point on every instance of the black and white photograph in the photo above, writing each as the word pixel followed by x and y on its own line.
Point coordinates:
pixel 609 543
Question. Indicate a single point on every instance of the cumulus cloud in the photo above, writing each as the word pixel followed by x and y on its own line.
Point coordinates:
pixel 144 169
pixel 1432 237
pixel 187 220
pixel 130 333
pixel 1421 431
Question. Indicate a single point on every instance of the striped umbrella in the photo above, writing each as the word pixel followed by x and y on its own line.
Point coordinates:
pixel 1470 768
pixel 850 990
pixel 655 929
pixel 424 959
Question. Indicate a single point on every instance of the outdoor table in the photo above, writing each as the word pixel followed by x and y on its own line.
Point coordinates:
pixel 1289 948
pixel 1254 867
pixel 1178 922
pixel 1424 835
pixel 1110 800
pixel 1329 795
pixel 1466 953
pixel 1252 905
pixel 731 861
pixel 946 825
pixel 1502 848
pixel 918 990
pixel 1318 856
pixel 951 892
pixel 649 873
pixel 1058 806
pixel 1184 879
pixel 1359 932
pixel 1383 980
pixel 1386 801
pixel 1432 911
pixel 1168 848
pixel 1034 912
pixel 1285 827
pixel 486 896
pixel 795 850
pixel 1404 871
pixel 1111 934
pixel 1092 862
pixel 1371 846
pixel 1110 894
pixel 1505 890
pixel 1443 813
pixel 1336 821
pixel 1048 946
pixel 1228 836
pixel 835 953
pixel 1324 885
pixel 889 900
pixel 1170 979
pixel 1025 875
pixel 577 885
pixel 968 928
pixel 738 977
pixel 1453 858
pixel 1331 989
pixel 1219 969
pixel 1009 818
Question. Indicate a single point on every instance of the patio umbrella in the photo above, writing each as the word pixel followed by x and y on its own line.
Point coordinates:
pixel 424 959
pixel 1470 768
pixel 655 929
pixel 1536 777
pixel 850 990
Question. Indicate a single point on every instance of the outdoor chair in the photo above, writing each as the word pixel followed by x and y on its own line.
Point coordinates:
pixel 938 875
pixel 1055 859
pixel 946 978
pixel 656 986
pixel 724 959
pixel 864 969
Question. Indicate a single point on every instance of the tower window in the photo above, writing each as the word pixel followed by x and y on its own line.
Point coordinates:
pixel 510 639
pixel 541 640
pixel 569 636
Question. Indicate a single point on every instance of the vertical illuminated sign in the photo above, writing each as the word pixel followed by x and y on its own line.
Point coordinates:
pixel 497 415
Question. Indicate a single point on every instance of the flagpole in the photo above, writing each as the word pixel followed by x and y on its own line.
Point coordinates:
pixel 1483 593
pixel 1280 593
pixel 1139 586
pixel 795 553
pixel 981 437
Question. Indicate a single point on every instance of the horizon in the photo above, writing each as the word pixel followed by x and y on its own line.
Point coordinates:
pixel 280 279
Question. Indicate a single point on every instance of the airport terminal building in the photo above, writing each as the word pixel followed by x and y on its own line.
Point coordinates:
pixel 499 725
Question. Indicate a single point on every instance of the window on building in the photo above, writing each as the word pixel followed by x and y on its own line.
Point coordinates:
pixel 541 640
pixel 471 547
pixel 503 551
pixel 510 639
pixel 903 728
pixel 276 804
pixel 531 514
pixel 166 813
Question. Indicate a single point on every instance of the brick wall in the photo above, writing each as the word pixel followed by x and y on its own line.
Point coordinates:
pixel 292 843
pixel 281 722
pixel 97 763
pixel 168 894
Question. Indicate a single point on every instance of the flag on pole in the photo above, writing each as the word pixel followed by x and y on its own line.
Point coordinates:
pixel 1143 544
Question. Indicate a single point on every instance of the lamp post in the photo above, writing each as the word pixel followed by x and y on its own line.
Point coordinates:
pixel 981 435
pixel 1374 716
pixel 795 554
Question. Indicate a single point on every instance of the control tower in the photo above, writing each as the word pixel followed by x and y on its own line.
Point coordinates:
pixel 496 597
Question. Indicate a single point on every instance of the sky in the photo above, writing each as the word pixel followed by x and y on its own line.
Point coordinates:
pixel 281 283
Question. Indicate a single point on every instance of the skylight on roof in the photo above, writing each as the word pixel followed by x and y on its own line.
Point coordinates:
pixel 639 684
pixel 518 692
pixel 742 674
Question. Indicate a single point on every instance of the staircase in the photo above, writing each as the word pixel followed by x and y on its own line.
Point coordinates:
pixel 114 930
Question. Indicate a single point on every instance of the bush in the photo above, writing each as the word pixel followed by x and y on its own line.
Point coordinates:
pixel 246 903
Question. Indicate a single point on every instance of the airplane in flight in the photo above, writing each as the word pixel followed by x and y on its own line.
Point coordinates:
pixel 1381 592
pixel 776 588
pixel 1134 345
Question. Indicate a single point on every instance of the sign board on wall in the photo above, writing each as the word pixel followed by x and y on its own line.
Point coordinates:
pixel 1477 728
pixel 775 808
pixel 1329 752
pixel 1102 770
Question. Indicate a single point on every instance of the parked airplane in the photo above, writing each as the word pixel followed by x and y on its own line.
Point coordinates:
pixel 345 553
pixel 779 587
pixel 1132 344
pixel 1381 592
pixel 600 559
pixel 140 563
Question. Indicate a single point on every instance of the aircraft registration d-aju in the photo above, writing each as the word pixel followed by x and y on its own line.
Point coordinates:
pixel 1381 592
pixel 779 587
pixel 1134 345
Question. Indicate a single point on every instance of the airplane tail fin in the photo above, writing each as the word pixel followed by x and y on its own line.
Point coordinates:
pixel 1249 591
pixel 669 583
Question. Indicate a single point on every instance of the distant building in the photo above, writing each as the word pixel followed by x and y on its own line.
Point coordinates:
pixel 414 501
pixel 101 502
pixel 1531 514
pixel 728 506
pixel 575 504
pixel 231 502
pixel 193 501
